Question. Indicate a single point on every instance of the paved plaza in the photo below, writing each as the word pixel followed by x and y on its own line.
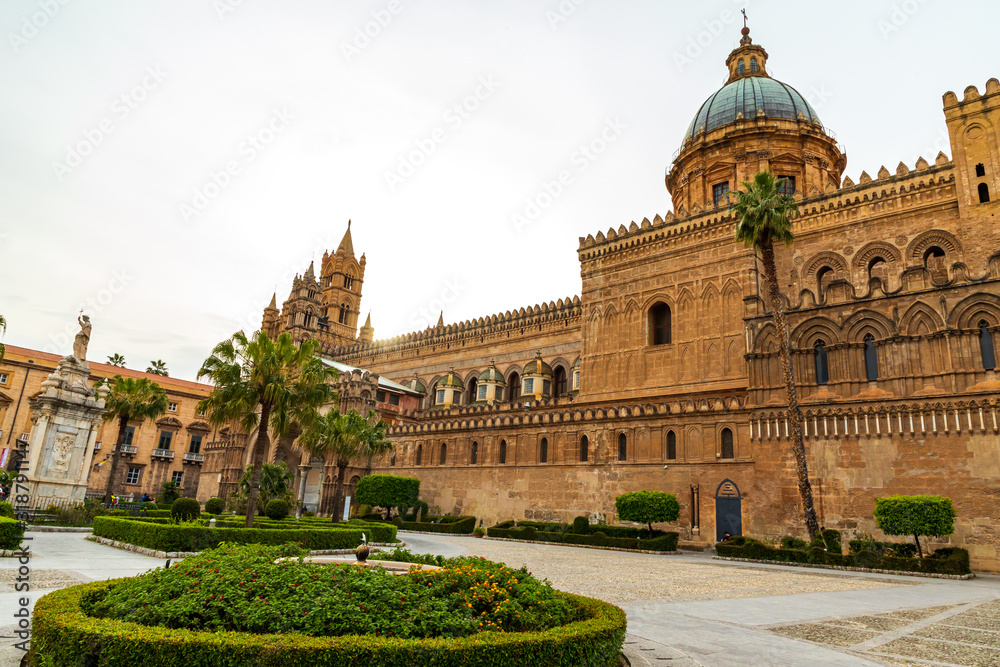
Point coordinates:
pixel 682 610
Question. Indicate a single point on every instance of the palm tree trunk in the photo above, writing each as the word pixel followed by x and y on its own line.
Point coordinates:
pixel 794 413
pixel 122 428
pixel 338 490
pixel 260 447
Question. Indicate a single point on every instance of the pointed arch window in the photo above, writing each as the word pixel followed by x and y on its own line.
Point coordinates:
pixel 726 444
pixel 986 346
pixel 822 363
pixel 392 461
pixel 584 448
pixel 871 358
pixel 444 453
pixel 543 451
pixel 671 445
pixel 348 281
pixel 345 310
pixel 622 447
pixel 659 324
pixel 420 454
pixel 475 453
pixel 984 193
pixel 514 387
pixel 558 382
pixel 503 451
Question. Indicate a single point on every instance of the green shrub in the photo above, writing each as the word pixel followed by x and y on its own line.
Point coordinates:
pixel 6 510
pixel 662 542
pixel 64 635
pixel 648 507
pixel 11 533
pixel 599 539
pixel 185 509
pixel 460 525
pixel 169 492
pixel 419 507
pixel 173 537
pixel 793 543
pixel 276 510
pixel 581 525
pixel 215 506
pixel 387 491
pixel 916 516
pixel 831 538
pixel 308 513
pixel 478 530
pixel 397 521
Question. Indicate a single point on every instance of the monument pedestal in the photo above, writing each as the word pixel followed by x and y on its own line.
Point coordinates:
pixel 66 416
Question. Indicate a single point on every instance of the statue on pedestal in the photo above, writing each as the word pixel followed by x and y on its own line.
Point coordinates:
pixel 82 338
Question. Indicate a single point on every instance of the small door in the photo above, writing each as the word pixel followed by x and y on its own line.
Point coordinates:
pixel 728 510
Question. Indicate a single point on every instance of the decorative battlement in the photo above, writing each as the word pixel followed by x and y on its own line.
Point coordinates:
pixel 549 313
pixel 970 95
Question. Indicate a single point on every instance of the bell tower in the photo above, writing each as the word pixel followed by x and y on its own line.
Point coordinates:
pixel 975 147
pixel 341 278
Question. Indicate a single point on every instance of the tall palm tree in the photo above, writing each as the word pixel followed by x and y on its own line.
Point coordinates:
pixel 764 212
pixel 130 399
pixel 281 380
pixel 345 437
pixel 158 367
pixel 117 360
pixel 3 328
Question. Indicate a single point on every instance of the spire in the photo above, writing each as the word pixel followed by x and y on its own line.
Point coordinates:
pixel 346 247
pixel 274 302
pixel 368 320
pixel 367 333
pixel 441 319
pixel 310 272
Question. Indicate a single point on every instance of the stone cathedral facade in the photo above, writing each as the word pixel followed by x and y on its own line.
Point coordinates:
pixel 664 373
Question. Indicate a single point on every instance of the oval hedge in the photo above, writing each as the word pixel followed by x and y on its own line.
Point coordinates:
pixel 174 537
pixel 63 636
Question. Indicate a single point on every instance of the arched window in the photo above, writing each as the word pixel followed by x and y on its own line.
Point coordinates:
pixel 558 382
pixel 543 451
pixel 308 320
pixel 420 454
pixel 659 324
pixel 584 447
pixel 622 447
pixel 823 278
pixel 392 461
pixel 741 67
pixel 444 453
pixel 470 395
pixel 475 453
pixel 871 358
pixel 986 346
pixel 514 387
pixel 753 65
pixel 503 451
pixel 348 281
pixel 671 445
pixel 312 293
pixel 878 268
pixel 726 442
pixel 980 170
pixel 822 363
pixel 984 193
pixel 344 312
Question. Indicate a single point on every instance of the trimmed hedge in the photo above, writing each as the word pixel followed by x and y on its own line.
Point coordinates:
pixel 276 510
pixel 185 509
pixel 459 524
pixel 943 561
pixel 663 542
pixel 11 533
pixel 215 506
pixel 63 636
pixel 171 537
pixel 629 532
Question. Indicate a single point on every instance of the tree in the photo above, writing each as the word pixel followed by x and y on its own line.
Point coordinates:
pixel 265 384
pixel 915 515
pixel 158 367
pixel 275 484
pixel 169 492
pixel 345 437
pixel 387 491
pixel 648 507
pixel 764 218
pixel 119 361
pixel 130 399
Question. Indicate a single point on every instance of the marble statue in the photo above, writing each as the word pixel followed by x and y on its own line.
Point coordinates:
pixel 82 338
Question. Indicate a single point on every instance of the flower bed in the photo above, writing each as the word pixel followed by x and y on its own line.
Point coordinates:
pixel 236 606
pixel 618 537
pixel 188 537
pixel 943 561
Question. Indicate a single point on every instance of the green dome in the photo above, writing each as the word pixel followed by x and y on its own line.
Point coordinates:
pixel 537 367
pixel 747 96
pixel 491 374
pixel 415 385
pixel 450 380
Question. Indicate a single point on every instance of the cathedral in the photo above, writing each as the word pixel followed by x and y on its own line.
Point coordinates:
pixel 664 373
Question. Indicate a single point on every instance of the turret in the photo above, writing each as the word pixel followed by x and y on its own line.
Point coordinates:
pixel 367 334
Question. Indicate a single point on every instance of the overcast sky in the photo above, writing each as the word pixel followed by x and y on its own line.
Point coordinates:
pixel 167 165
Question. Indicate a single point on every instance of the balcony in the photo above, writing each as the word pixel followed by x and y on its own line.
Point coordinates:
pixel 127 450
pixel 163 454
pixel 97 446
pixel 191 457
